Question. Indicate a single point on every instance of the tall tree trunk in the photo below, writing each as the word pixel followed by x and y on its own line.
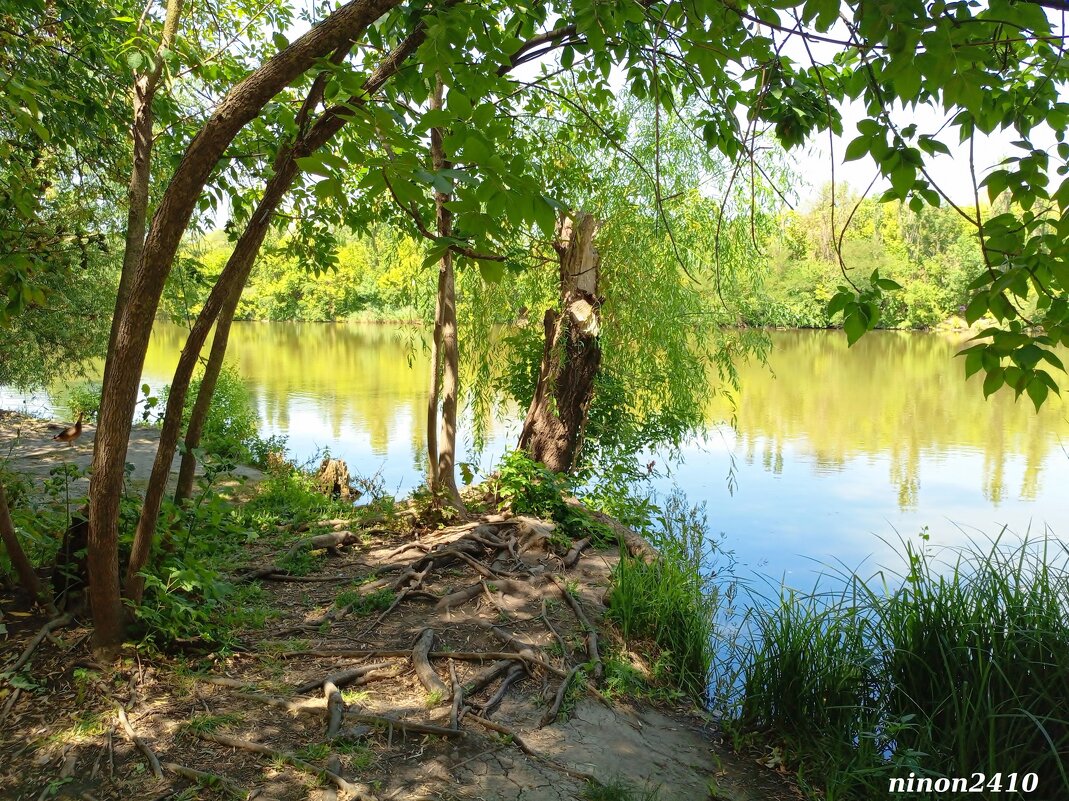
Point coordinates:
pixel 553 430
pixel 137 191
pixel 442 449
pixel 126 359
pixel 26 574
pixel 228 289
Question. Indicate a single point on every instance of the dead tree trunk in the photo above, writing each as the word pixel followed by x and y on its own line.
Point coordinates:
pixel 553 430
pixel 127 357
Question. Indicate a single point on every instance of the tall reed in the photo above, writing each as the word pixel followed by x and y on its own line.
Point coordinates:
pixel 959 666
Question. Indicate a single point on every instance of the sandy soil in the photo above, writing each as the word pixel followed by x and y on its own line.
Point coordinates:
pixel 27 448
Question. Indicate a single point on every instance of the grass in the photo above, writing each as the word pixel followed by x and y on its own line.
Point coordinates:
pixel 960 665
pixel 209 724
pixel 616 790
pixel 365 604
pixel 669 602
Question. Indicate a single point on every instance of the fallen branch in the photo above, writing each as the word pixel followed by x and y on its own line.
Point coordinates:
pixel 342 784
pixel 142 746
pixel 202 778
pixel 422 665
pixel 554 709
pixel 44 631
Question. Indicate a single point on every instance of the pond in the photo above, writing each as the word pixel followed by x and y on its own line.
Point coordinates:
pixel 835 452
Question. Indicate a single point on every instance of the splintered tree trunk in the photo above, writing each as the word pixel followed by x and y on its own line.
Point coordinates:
pixel 553 430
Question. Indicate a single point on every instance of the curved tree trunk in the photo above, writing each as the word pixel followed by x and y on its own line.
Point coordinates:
pixel 228 288
pixel 137 191
pixel 552 432
pixel 199 415
pixel 126 358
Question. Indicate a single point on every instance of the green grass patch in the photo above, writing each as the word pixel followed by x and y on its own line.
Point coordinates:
pixel 669 602
pixel 365 603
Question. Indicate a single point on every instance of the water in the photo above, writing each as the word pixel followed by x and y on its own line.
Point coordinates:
pixel 835 451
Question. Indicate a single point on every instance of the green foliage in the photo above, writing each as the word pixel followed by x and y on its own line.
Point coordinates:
pixel 944 673
pixel 669 601
pixel 288 495
pixel 528 488
pixel 617 790
pixel 231 430
pixel 365 603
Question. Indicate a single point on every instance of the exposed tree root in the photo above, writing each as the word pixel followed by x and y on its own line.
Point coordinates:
pixel 335 708
pixel 515 672
pixel 202 778
pixel 520 743
pixel 404 725
pixel 593 655
pixel 551 714
pixel 356 791
pixel 142 746
pixel 426 674
pixel 458 697
pixel 572 557
pixel 342 678
pixel 44 631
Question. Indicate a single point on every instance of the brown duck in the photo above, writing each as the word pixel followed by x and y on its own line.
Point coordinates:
pixel 70 434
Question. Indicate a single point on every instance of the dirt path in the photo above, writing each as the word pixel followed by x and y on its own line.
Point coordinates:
pixel 27 448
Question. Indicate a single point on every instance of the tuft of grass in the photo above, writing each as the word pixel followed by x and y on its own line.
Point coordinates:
pixel 617 790
pixel 669 601
pixel 943 671
pixel 365 604
pixel 209 724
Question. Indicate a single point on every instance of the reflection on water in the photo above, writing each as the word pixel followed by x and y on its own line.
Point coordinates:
pixel 833 449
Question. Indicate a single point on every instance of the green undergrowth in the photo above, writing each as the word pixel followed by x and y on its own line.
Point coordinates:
pixel 959 666
pixel 529 488
pixel 669 603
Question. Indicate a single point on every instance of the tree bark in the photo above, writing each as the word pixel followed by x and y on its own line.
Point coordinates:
pixel 126 358
pixel 137 192
pixel 552 432
pixel 228 290
pixel 446 351
pixel 25 571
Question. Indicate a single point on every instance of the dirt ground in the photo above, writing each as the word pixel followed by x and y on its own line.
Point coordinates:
pixel 26 445
pixel 340 697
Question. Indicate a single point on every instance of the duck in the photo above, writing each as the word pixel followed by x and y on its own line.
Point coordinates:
pixel 71 433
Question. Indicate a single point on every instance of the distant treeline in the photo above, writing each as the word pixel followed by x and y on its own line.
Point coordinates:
pixel 932 254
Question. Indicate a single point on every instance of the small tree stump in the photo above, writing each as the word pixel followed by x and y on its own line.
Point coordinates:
pixel 332 478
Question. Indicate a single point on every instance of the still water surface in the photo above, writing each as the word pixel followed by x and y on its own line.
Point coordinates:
pixel 835 451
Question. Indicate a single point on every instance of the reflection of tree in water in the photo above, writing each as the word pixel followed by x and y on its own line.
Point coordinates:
pixel 895 394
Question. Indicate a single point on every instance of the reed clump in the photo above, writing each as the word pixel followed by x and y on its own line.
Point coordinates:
pixel 959 666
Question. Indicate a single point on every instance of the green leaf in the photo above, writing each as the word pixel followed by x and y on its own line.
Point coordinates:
pixel 491 271
pixel 1037 391
pixel 858 148
pixel 993 381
